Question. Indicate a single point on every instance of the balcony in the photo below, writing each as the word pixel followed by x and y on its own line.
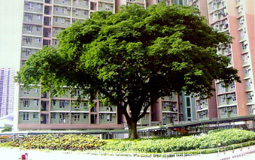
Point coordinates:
pixel 59 105
pixel 172 97
pixel 44 119
pixel 248 84
pixel 55 31
pixel 46 32
pixel 169 118
pixel 107 118
pixel 93 6
pixel 167 106
pixel 59 118
pixel 48 1
pixel 32 18
pixel 81 4
pixel 47 10
pixel 63 2
pixel 25 52
pixel 112 1
pixel 32 42
pixel 33 7
pixel 80 118
pixel 202 115
pixel 32 30
pixel 45 106
pixel 245 58
pixel 46 42
pixel 244 46
pixel 228 112
pixel 106 108
pixel 47 21
pixel 82 106
pixel 29 93
pixel 240 11
pixel 249 96
pixel 28 118
pixel 78 13
pixel 241 22
pixel 62 11
pixel 61 22
pixel 144 121
pixel 139 1
pixel 105 7
pixel 93 119
pixel 29 104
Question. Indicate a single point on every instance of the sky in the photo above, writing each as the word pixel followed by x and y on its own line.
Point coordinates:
pixel 10 32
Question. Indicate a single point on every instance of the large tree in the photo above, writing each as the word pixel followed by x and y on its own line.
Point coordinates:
pixel 133 57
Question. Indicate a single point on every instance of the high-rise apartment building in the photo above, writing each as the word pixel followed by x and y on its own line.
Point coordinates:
pixel 235 18
pixel 43 19
pixel 6 91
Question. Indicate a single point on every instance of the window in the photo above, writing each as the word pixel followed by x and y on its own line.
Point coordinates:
pixel 36 102
pixel 26 116
pixel 26 92
pixel 62 104
pixel 102 116
pixel 53 115
pixel 54 103
pixel 86 2
pixel 222 98
pixel 187 101
pixel 86 12
pixel 188 112
pixel 39 6
pixel 247 71
pixel 84 115
pixel 30 6
pixel 56 9
pixel 77 1
pixel 109 117
pixel 26 103
pixel 38 29
pixel 56 19
pixel 76 117
pixel 29 17
pixel 232 85
pixel 35 115
pixel 35 89
pixel 62 21
pixel 39 17
pixel 63 10
pixel 233 97
pixel 29 28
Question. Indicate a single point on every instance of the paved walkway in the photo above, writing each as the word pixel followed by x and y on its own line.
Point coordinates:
pixel 14 154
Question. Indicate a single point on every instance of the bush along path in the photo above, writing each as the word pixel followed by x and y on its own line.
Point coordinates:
pixel 193 144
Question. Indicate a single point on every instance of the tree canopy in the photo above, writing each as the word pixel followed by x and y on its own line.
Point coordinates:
pixel 133 57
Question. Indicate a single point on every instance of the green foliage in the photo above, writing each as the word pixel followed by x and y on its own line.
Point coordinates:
pixel 225 137
pixel 57 142
pixel 7 129
pixel 133 57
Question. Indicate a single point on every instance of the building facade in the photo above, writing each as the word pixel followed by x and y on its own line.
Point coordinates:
pixel 235 18
pixel 43 19
pixel 6 91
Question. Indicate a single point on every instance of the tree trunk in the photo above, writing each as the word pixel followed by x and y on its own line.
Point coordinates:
pixel 132 129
